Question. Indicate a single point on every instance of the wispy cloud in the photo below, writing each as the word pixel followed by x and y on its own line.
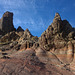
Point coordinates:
pixel 17 4
pixel 30 23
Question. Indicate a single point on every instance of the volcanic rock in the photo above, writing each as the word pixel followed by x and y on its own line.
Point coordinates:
pixel 27 44
pixel 19 29
pixel 22 53
pixel 26 36
pixel 56 39
pixel 6 22
pixel 12 36
pixel 27 40
pixel 29 64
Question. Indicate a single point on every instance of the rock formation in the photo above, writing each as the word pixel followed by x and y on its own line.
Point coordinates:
pixel 19 29
pixel 12 36
pixel 27 35
pixel 53 53
pixel 6 22
pixel 27 40
pixel 57 37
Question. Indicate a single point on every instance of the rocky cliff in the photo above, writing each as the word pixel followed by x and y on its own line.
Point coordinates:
pixel 59 38
pixel 6 22
pixel 52 53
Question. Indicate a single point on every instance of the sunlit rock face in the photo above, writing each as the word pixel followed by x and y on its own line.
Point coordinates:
pixel 58 39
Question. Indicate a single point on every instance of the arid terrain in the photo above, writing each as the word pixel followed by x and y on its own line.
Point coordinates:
pixel 21 53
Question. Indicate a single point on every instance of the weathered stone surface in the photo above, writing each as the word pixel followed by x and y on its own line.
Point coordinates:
pixel 26 36
pixel 22 54
pixel 27 40
pixel 27 44
pixel 19 29
pixel 27 63
pixel 12 36
pixel 6 22
pixel 57 37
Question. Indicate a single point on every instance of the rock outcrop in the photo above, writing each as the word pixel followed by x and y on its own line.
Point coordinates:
pixel 57 37
pixel 6 22
pixel 27 63
pixel 52 53
pixel 27 40
pixel 12 36
pixel 26 36
pixel 19 29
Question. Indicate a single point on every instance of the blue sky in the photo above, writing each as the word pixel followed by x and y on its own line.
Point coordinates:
pixel 37 15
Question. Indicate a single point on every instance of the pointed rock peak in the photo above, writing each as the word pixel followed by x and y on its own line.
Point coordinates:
pixel 27 30
pixel 19 29
pixel 27 33
pixel 57 17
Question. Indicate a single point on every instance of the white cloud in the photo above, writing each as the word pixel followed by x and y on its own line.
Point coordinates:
pixel 14 4
pixel 34 25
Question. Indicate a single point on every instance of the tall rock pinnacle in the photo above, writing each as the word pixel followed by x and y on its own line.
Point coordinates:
pixel 6 22
pixel 57 16
pixel 58 29
pixel 57 23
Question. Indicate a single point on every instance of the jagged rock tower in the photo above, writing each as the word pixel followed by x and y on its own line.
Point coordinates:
pixel 6 22
pixel 59 38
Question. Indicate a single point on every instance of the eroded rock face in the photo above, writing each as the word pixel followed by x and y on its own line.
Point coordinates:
pixel 27 40
pixel 12 36
pixel 54 50
pixel 58 39
pixel 6 22
pixel 27 63
pixel 27 35
pixel 27 44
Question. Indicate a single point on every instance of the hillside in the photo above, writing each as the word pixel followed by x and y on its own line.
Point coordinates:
pixel 21 53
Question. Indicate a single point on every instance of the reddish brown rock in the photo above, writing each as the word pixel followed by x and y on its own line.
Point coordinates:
pixel 27 63
pixel 22 53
